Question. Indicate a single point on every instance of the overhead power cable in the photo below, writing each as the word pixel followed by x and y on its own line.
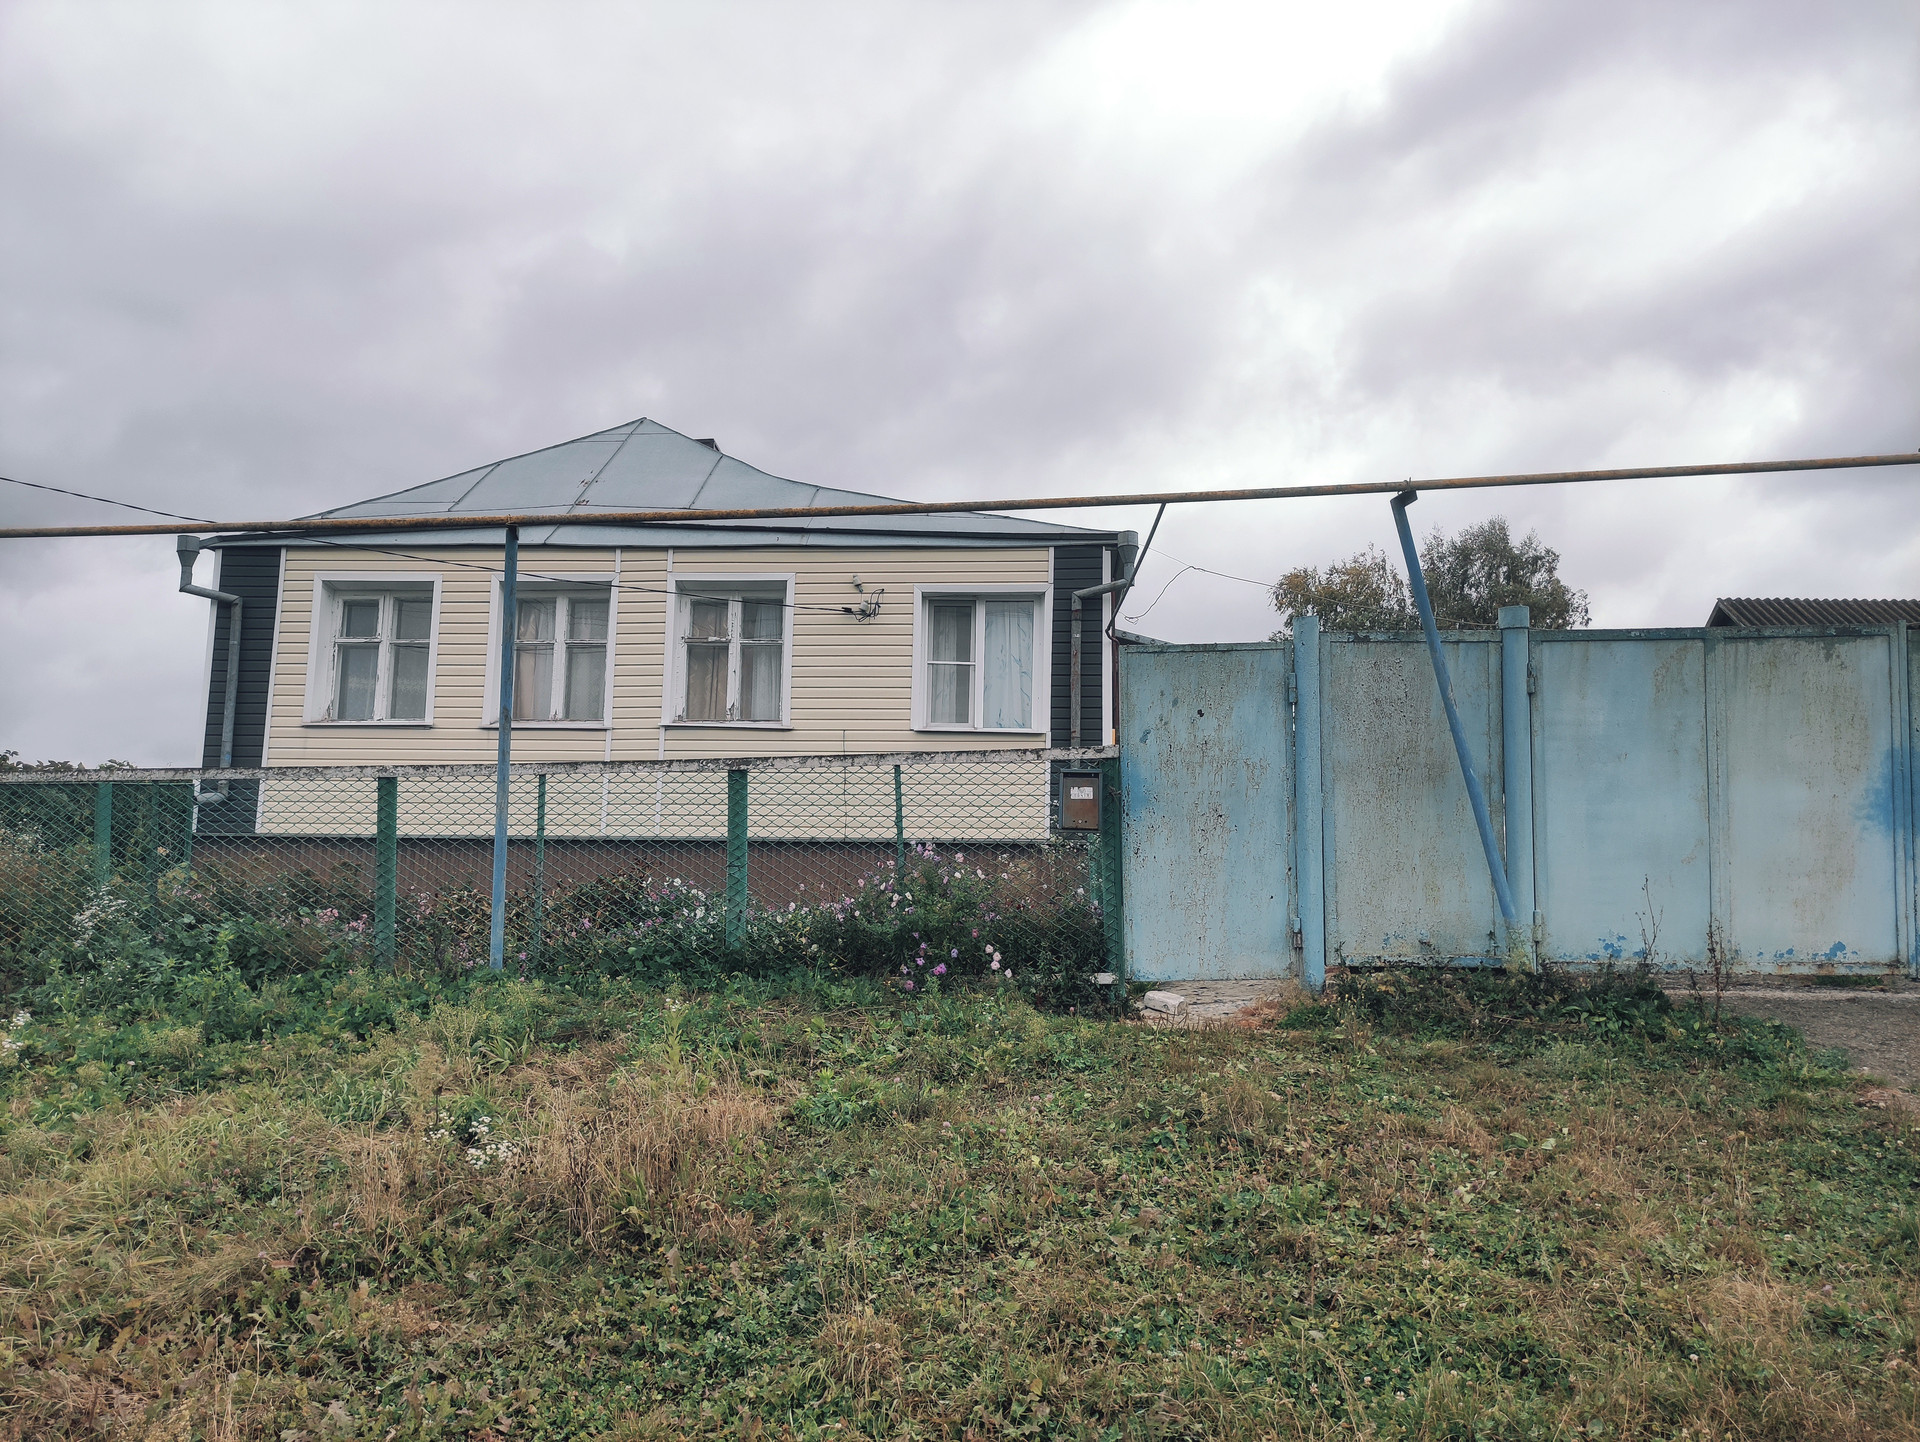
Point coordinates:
pixel 105 501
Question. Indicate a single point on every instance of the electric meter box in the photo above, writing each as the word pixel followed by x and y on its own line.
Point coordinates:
pixel 1080 800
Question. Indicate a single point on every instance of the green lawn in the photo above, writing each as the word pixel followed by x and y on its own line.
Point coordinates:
pixel 1440 1207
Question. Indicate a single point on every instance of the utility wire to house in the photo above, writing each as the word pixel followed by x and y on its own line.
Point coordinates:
pixel 1186 566
pixel 105 501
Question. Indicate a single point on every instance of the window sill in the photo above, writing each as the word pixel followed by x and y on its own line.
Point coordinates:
pixel 383 725
pixel 549 726
pixel 729 725
pixel 982 730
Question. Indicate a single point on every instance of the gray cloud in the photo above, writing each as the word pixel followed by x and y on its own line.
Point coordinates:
pixel 263 263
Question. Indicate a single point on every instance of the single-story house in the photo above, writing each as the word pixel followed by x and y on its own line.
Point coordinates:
pixel 699 639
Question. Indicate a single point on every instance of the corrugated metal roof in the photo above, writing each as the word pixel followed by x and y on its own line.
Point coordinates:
pixel 1796 611
pixel 645 466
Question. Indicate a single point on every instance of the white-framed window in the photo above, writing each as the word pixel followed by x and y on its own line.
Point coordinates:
pixel 371 659
pixel 732 642
pixel 979 659
pixel 562 655
pixel 560 658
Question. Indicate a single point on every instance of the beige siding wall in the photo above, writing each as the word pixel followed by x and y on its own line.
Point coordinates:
pixel 851 682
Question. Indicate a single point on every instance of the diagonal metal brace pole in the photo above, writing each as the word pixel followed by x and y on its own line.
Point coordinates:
pixel 1475 792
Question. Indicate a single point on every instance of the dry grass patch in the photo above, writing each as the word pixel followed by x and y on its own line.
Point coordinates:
pixel 643 1148
pixel 860 1350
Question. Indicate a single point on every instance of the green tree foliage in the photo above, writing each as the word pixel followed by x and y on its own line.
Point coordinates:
pixel 1365 592
pixel 1470 576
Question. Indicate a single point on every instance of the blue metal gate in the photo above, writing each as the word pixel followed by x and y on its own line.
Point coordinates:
pixel 1291 805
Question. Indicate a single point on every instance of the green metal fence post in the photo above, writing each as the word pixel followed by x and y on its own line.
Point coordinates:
pixel 102 833
pixel 736 912
pixel 189 826
pixel 538 943
pixel 1112 893
pixel 386 865
pixel 150 838
pixel 899 828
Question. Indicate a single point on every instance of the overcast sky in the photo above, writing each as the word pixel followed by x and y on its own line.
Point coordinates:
pixel 256 260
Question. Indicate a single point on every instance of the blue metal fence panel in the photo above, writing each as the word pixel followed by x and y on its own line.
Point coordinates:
pixel 1620 797
pixel 1805 842
pixel 1205 778
pixel 1408 880
pixel 1755 787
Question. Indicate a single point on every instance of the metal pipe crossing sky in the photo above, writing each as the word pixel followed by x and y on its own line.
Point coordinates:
pixel 336 525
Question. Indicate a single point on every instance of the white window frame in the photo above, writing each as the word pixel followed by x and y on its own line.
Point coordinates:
pixel 330 588
pixel 731 584
pixel 1041 594
pixel 595 587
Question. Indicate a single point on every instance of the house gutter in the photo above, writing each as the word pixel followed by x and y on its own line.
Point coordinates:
pixel 1131 558
pixel 188 548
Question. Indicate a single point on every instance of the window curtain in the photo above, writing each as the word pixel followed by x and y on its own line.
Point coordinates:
pixel 762 630
pixel 412 627
pixel 1007 665
pixel 533 661
pixel 950 663
pixel 706 660
pixel 586 698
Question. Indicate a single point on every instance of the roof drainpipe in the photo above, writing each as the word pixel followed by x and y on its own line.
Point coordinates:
pixel 1476 794
pixel 1131 560
pixel 188 548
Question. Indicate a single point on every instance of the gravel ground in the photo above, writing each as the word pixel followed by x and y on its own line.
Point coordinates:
pixel 1878 1027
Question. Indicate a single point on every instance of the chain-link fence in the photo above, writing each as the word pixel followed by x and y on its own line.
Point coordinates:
pixel 955 864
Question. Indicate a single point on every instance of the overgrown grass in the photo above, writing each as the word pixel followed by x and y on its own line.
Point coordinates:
pixel 1436 1207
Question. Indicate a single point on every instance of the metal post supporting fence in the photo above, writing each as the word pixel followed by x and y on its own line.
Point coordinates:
pixel 509 622
pixel 736 857
pixel 1112 890
pixel 1516 746
pixel 1309 863
pixel 1476 794
pixel 150 838
pixel 539 939
pixel 899 825
pixel 386 865
pixel 102 833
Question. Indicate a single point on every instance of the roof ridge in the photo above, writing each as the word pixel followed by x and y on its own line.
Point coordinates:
pixel 601 469
pixel 487 468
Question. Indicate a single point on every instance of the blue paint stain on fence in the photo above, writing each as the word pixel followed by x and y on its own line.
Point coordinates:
pixel 1875 808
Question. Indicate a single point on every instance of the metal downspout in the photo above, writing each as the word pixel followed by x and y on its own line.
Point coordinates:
pixel 509 606
pixel 1475 792
pixel 1123 585
pixel 188 549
